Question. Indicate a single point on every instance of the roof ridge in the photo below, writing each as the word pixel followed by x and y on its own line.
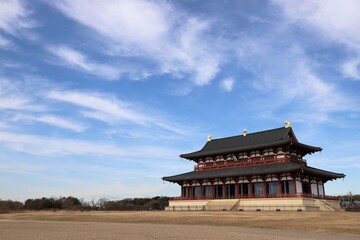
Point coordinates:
pixel 253 133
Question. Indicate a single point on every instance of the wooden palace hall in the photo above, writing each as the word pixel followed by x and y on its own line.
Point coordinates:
pixel 254 171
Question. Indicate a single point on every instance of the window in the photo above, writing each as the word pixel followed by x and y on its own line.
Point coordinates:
pixel 273 188
pixel 244 189
pixel 259 189
pixel 207 191
pixel 218 191
pixel 196 192
pixel 186 191
pixel 230 191
pixel 288 187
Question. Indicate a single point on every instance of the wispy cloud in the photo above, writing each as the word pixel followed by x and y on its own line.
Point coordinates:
pixel 291 78
pixel 15 18
pixel 79 61
pixel 227 84
pixel 351 68
pixel 12 97
pixel 33 144
pixel 336 19
pixel 106 109
pixel 52 120
pixel 18 103
pixel 175 41
pixel 112 110
pixel 61 122
pixel 4 43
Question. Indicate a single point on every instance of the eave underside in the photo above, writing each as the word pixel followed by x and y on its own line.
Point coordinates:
pixel 254 170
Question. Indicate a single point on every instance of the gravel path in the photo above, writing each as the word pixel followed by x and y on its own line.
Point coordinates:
pixel 49 230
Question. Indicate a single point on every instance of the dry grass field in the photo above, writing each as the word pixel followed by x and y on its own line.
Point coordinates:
pixel 336 224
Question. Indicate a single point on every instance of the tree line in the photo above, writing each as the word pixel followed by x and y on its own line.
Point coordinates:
pixel 73 203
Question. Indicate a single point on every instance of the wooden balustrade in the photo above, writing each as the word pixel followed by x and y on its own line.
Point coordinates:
pixel 247 162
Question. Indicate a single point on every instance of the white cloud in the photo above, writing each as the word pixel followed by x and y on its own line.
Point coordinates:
pixel 61 122
pixel 290 78
pixel 227 84
pixel 112 110
pixel 4 43
pixel 76 59
pixel 110 107
pixel 19 103
pixel 12 97
pixel 14 18
pixel 316 91
pixel 47 146
pixel 337 19
pixel 131 22
pixel 152 30
pixel 351 69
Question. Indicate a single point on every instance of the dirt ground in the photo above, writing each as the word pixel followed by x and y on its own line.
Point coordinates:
pixel 179 225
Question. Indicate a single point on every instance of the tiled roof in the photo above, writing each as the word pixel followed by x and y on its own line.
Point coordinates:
pixel 254 170
pixel 252 141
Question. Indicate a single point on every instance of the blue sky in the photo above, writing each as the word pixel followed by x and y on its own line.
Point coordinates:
pixel 99 98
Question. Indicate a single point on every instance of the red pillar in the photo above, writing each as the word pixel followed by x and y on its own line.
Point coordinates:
pixel 201 191
pixel 250 190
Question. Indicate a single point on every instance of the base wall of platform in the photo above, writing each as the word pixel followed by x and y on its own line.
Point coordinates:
pixel 258 204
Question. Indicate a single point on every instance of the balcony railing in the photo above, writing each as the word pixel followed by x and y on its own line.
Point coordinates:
pixel 246 162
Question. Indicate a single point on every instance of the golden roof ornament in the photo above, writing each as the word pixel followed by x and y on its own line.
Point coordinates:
pixel 244 132
pixel 209 138
pixel 287 124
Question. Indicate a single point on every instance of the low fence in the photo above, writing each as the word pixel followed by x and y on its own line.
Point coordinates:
pixel 277 208
pixel 185 208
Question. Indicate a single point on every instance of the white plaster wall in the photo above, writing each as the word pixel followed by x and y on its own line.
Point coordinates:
pixel 188 203
pixel 314 190
pixel 299 187
pixel 321 190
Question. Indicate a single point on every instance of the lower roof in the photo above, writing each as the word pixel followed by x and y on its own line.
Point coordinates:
pixel 275 168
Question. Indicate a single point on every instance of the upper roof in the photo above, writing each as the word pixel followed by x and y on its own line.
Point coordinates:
pixel 252 141
pixel 254 170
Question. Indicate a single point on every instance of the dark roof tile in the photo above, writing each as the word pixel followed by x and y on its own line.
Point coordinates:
pixel 252 141
pixel 252 170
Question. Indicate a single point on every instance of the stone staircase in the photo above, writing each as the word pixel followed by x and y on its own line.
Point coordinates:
pixel 222 205
pixel 329 206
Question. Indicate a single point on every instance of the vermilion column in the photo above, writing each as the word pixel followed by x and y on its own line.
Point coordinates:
pixel 250 190
pixel 201 190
